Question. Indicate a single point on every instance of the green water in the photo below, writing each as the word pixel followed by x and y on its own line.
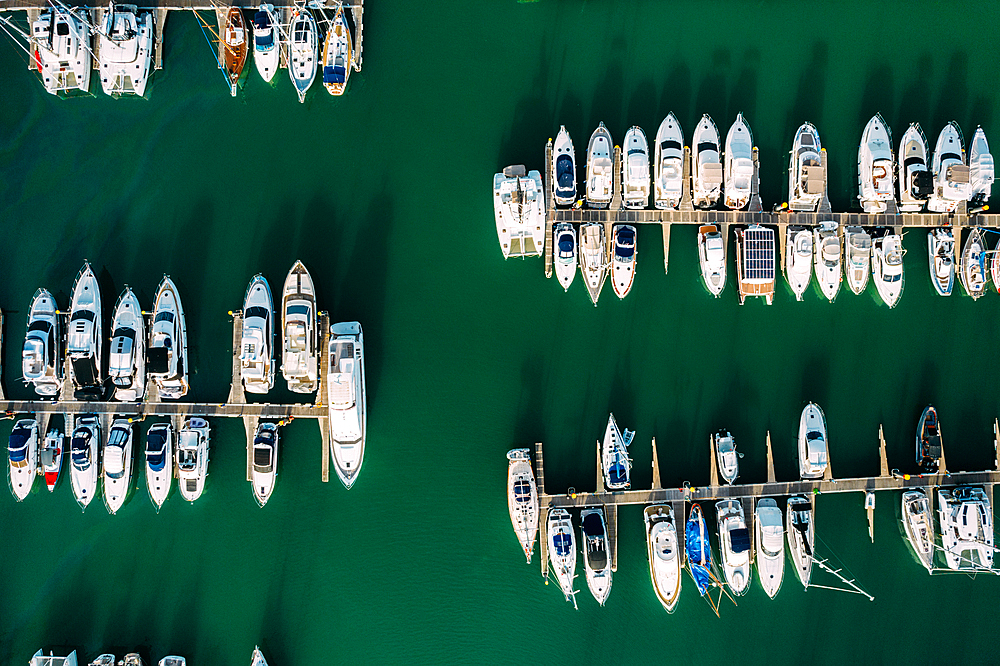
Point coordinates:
pixel 384 194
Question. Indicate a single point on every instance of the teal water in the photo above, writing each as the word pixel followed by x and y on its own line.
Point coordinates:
pixel 384 194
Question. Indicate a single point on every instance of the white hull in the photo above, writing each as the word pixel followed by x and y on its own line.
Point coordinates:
pixel 522 500
pixel 303 51
pixel 799 260
pixel 593 259
pixel 738 164
pixel 51 456
pixel 564 168
pixel 300 345
pixel 62 55
pixel 828 259
pixel 42 354
pixel 192 458
pixel 981 169
pixel 887 268
pixel 562 551
pixel 566 250
pixel 117 465
pixel 126 49
pixel 915 180
pixel 951 175
pixel 167 363
pixel 706 164
pixel 875 167
pixel 973 266
pixel 941 258
pixel 596 554
pixel 85 459
pixel 801 537
pixel 712 259
pixel 84 335
pixel 624 257
pixel 769 538
pixel 257 344
pixel 22 457
pixel 662 548
pixel 806 175
pixel 600 168
pixel 615 462
pixel 127 361
pixel 635 169
pixel 519 212
pixel 966 521
pixel 919 525
pixel 734 542
pixel 813 446
pixel 264 470
pixel 159 462
pixel 346 395
pixel 858 248
pixel 726 456
pixel 266 42
pixel 668 172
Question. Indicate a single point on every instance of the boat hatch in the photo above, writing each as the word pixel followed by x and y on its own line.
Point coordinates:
pixel 561 542
pixel 522 491
pixel 334 74
pixel 740 539
pixel 262 458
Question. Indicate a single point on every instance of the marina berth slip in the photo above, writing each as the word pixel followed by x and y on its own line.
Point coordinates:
pixel 51 457
pixel 562 551
pixel 593 258
pixel 828 258
pixel 159 462
pixel 125 47
pixel 973 265
pixel 234 48
pixel 303 50
pixel 265 461
pixel 799 260
pixel 166 364
pixel 951 175
pixel 635 169
pixel 915 179
pixel 615 461
pixel 564 168
pixel 941 257
pixel 623 259
pixel 85 338
pixel 755 263
pixel 257 342
pixel 706 164
pixel 712 258
pixel 522 499
pixel 346 393
pixel 596 561
pixel 266 42
pixel 919 526
pixel 665 558
pixel 42 353
pixel 769 537
pixel 813 446
pixel 84 459
pixel 337 54
pixel 966 522
pixel 118 464
pixel 806 174
pixel 887 267
pixel 726 455
pixel 22 456
pixel 929 445
pixel 875 167
pixel 600 168
pixel 127 360
pixel 60 46
pixel 668 172
pixel 734 544
pixel 801 537
pixel 739 166
pixel 300 350
pixel 519 209
pixel 858 248
pixel 192 458
pixel 566 248
pixel 980 169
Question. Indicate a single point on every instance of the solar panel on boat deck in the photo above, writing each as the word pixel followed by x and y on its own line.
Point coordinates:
pixel 758 254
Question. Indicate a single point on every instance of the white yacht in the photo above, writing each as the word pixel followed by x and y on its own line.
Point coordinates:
pixel 951 175
pixel 127 361
pixel 519 209
pixel 706 164
pixel 828 258
pixel 192 457
pixel 167 364
pixel 565 249
pixel 980 169
pixel 734 542
pixel 117 464
pixel 303 50
pixel 875 167
pixel 159 462
pixel 919 526
pixel 738 165
pixel 39 659
pixel 806 175
pixel 22 454
pixel 522 499
pixel 812 442
pixel 600 168
pixel 257 659
pixel 265 461
pixel 941 256
pixel 51 457
pixel 966 521
pixel 858 248
pixel 799 260
pixel 564 168
pixel 712 258
pixel 801 537
pixel 41 355
pixel 562 551
pixel 615 462
pixel 347 400
pixel 593 258
pixel 635 169
pixel 176 661
pixel 726 456
pixel 664 554
pixel 668 172
pixel 257 341
pixel 84 457
pixel 104 660
pixel 125 50
pixel 596 554
pixel 623 259
pixel 887 267
pixel 85 338
pixel 337 54
pixel 300 344
pixel 915 180
pixel 131 659
pixel 769 535
pixel 60 46
pixel 973 265
pixel 266 41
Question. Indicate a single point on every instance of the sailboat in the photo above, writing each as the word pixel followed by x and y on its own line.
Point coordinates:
pixel 668 173
pixel 738 164
pixel 593 258
pixel 972 271
pixel 966 521
pixel 522 499
pixel 941 257
pixel 125 48
pixel 919 525
pixel 337 54
pixel 303 50
pixel 614 456
pixel 234 47
pixel 699 557
pixel 665 557
pixel 562 551
pixel 596 553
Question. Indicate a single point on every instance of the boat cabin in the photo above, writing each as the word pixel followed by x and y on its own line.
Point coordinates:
pixel 755 262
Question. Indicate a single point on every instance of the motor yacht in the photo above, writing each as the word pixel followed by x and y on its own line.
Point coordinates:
pixel 159 462
pixel 85 460
pixel 192 457
pixel 828 259
pixel 755 262
pixel 303 50
pixel 41 355
pixel 919 526
pixel 801 537
pixel 799 260
pixel 615 461
pixel 104 660
pixel 519 209
pixel 875 167
pixel 668 172
pixel 738 165
pixel 623 259
pixel 887 267
pixel 39 659
pixel 257 342
pixel 347 400
pixel 234 48
pixel 769 535
pixel 22 454
pixel 125 49
pixel 85 338
pixel 973 265
pixel 564 167
pixel 593 258
pixel 995 266
pixel 980 169
pixel 265 461
pixel 600 168
pixel 812 442
pixel 858 248
pixel 915 180
pixel 806 175
pixel 300 349
pixel 167 364
pixel 117 464
pixel 734 542
pixel 928 450
pixel 966 521
pixel 258 658
pixel 51 457
pixel 596 554
pixel 664 554
pixel 565 253
pixel 706 164
pixel 337 54
pixel 266 41
pixel 176 661
pixel 562 551
pixel 60 49
pixel 951 175
pixel 127 361
pixel 726 455
pixel 941 256
pixel 635 169
pixel 699 554
pixel 712 258
pixel 522 499
pixel 131 659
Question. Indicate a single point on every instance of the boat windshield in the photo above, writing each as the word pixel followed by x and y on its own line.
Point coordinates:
pixel 156 449
pixel 740 539
pixel 566 246
pixel 670 144
pixel 187 459
pixel 80 448
pixel 593 525
pixel 564 172
pixel 262 458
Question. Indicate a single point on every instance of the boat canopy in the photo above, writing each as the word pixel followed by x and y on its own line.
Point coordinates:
pixel 156 449
pixel 561 542
pixel 564 172
pixel 566 245
pixel 740 539
pixel 334 74
pixel 80 448
pixel 522 491
pixel 593 525
pixel 17 445
pixel 158 359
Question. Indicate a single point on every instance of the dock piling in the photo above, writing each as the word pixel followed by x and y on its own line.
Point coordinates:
pixel 665 226
pixel 755 206
pixel 656 469
pixel 549 209
pixel 612 512
pixel 324 365
pixel 686 204
pixel 770 460
pixel 883 459
pixel 713 473
pixel 539 469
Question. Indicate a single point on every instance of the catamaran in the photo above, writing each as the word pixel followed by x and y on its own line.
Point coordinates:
pixel 668 173
pixel 951 175
pixel 347 399
pixel 127 361
pixel 41 355
pixel 623 259
pixel 593 258
pixel 887 267
pixel 300 345
pixel 806 175
pixel 726 456
pixel 519 209
pixel 799 259
pixel 159 462
pixel 264 470
pixel 801 537
pixel 828 259
pixel 600 169
pixel 858 247
pixel 596 554
pixel 60 47
pixel 755 265
pixel 125 41
pixel 266 41
pixel 167 364
pixel 712 258
pixel 192 458
pixel 665 558
pixel 85 460
pixel 51 457
pixel 303 50
pixel 337 54
pixel 915 180
pixel 980 169
pixel 85 339
pixel 928 450
pixel 919 525
pixel 564 167
pixel 739 164
pixel 812 442
pixel 615 461
pixel 875 167
pixel 22 454
pixel 941 257
pixel 966 520
pixel 234 48
pixel 706 164
pixel 635 169
pixel 972 271
pixel 565 249
pixel 117 465
pixel 769 533
pixel 734 543
pixel 522 499
pixel 562 551
pixel 257 342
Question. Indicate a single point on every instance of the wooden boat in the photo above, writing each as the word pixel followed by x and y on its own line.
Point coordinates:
pixel 234 47
pixel 337 55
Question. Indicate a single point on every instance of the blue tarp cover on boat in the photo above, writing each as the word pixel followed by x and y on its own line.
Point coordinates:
pixel 702 579
pixel 155 450
pixel 333 74
pixel 618 473
pixel 699 551
pixel 562 544
pixel 564 173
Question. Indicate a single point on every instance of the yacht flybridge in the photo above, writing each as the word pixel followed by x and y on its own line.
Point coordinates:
pixel 755 262
pixel 966 521
pixel 85 338
pixel 564 168
pixel 125 50
pixel 522 499
pixel 887 267
pixel 519 209
pixel 347 400
pixel 668 172
pixel 600 168
pixel 266 41
pixel 60 46
pixel 706 164
pixel 875 167
pixel 337 54
pixel 738 165
pixel 41 355
pixel 300 349
pixel 127 361
pixel 812 442
pixel 615 460
pixel 303 50
pixel 951 175
pixel 635 169
pixel 915 180
pixel 665 557
pixel 257 342
pixel 167 364
pixel 806 175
